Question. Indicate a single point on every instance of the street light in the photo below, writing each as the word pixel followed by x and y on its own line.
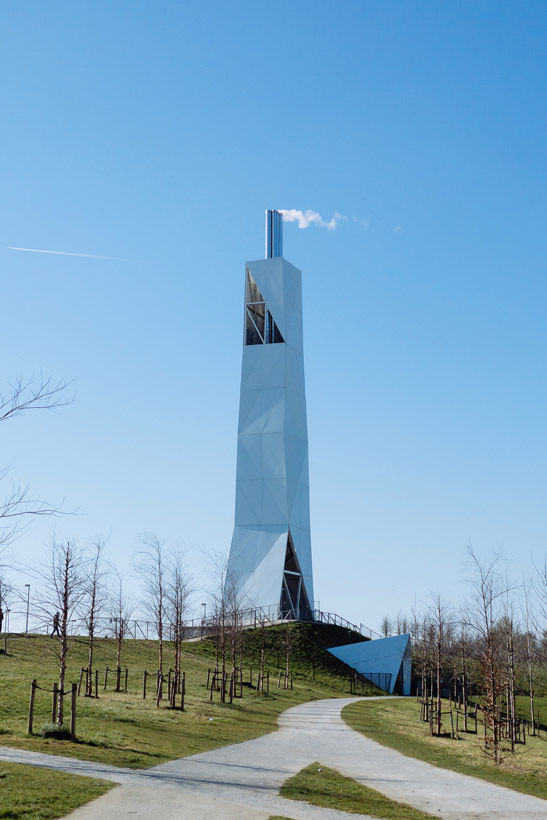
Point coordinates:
pixel 28 603
pixel 204 605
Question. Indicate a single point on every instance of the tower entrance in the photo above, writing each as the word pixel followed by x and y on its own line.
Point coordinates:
pixel 294 601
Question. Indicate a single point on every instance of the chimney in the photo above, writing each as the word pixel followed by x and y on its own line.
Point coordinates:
pixel 274 234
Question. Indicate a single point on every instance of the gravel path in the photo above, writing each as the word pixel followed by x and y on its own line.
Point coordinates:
pixel 243 780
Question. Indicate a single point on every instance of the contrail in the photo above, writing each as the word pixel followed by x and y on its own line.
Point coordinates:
pixel 70 253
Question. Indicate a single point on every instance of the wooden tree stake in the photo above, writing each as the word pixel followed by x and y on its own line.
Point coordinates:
pixel 31 706
pixel 73 711
pixel 54 704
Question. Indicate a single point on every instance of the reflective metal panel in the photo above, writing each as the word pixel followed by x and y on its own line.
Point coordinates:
pixel 274 234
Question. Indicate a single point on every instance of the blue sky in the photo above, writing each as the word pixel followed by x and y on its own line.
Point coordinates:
pixel 159 133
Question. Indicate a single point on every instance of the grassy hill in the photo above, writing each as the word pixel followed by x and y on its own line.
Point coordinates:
pixel 123 729
pixel 396 723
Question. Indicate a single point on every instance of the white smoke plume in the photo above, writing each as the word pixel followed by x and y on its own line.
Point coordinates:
pixel 306 218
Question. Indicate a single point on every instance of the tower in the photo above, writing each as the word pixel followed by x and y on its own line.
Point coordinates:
pixel 270 556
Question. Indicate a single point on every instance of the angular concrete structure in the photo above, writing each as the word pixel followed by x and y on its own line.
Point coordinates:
pixel 387 662
pixel 270 556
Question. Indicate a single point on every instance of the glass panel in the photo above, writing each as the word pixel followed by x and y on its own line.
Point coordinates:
pixel 252 293
pixel 277 337
pixel 260 327
pixel 252 336
pixel 293 584
pixel 256 312
pixel 285 603
pixel 290 558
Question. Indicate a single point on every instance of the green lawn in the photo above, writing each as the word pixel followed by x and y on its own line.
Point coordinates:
pixel 29 793
pixel 325 787
pixel 540 704
pixel 396 723
pixel 124 730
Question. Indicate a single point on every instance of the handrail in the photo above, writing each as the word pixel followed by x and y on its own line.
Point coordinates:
pixel 275 614
pixel 271 614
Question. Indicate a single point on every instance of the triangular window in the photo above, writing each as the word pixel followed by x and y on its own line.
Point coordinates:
pixel 294 600
pixel 260 327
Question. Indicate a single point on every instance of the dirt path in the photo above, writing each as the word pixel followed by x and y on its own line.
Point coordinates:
pixel 243 780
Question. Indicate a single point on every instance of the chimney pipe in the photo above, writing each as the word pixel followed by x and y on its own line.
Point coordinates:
pixel 274 234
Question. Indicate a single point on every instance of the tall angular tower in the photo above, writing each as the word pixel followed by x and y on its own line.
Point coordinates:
pixel 270 557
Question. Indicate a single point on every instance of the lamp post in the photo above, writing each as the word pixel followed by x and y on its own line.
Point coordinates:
pixel 28 604
pixel 203 618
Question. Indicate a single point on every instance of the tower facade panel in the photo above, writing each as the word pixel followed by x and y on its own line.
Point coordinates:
pixel 270 556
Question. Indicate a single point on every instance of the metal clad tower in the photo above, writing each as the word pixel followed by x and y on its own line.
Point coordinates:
pixel 270 556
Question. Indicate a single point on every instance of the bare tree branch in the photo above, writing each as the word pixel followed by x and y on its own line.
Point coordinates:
pixel 45 394
pixel 18 506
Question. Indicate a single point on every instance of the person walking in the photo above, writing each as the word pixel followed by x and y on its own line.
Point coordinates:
pixel 56 621
pixel 1 618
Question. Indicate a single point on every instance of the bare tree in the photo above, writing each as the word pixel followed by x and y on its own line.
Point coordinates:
pixel 122 609
pixel 540 586
pixel 176 594
pixel 401 624
pixel 530 647
pixel 507 624
pixel 287 641
pixel 265 638
pixel 386 627
pixel 95 600
pixel 5 589
pixel 464 678
pixel 227 615
pixel 62 588
pixel 439 616
pixel 18 505
pixel 234 603
pixel 418 647
pixel 150 565
pixel 483 616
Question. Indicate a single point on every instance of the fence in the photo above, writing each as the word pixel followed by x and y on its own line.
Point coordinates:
pixel 503 717
pixel 56 703
pixel 135 628
pixel 362 682
pixel 139 629
pixel 276 614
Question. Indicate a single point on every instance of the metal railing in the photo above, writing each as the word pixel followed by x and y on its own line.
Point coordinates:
pixel 140 629
pixel 273 614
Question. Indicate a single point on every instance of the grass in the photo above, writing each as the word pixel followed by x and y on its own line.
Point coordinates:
pixel 522 703
pixel 540 705
pixel 29 793
pixel 123 730
pixel 325 787
pixel 395 723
